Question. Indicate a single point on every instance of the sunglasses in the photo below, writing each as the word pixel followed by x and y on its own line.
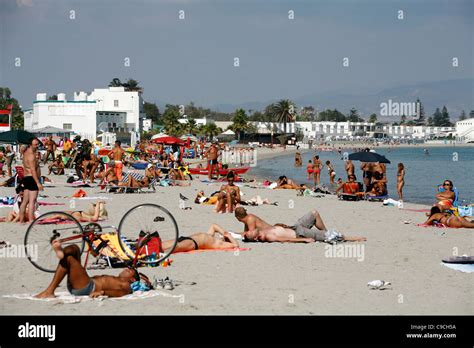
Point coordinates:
pixel 446 184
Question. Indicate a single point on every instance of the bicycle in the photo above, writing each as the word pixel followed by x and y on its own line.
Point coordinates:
pixel 139 227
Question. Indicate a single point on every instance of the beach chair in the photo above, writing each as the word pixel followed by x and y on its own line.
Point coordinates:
pixel 456 195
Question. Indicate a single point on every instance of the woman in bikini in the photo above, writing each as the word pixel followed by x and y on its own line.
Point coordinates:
pixel 94 213
pixel 331 172
pixel 229 196
pixel 400 180
pixel 309 169
pixel 317 170
pixel 447 219
pixel 446 198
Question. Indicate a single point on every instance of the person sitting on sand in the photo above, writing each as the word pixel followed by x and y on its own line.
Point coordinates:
pixel 94 213
pixel 229 196
pixel 446 197
pixel 57 166
pixel 80 284
pixel 447 219
pixel 350 186
pixel 14 215
pixel 215 238
pixel 258 230
pixel 378 185
pixel 109 176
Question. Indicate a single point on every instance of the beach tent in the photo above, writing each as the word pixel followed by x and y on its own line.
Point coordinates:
pixel 16 136
pixel 159 135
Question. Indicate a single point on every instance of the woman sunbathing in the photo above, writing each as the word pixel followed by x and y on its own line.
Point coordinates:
pixel 288 184
pixel 134 183
pixel 95 212
pixel 215 238
pixel 447 219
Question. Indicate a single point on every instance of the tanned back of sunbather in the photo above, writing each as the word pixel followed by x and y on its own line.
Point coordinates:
pixel 199 241
pixel 78 281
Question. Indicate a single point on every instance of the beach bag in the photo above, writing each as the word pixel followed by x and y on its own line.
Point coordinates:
pixel 152 247
pixel 79 193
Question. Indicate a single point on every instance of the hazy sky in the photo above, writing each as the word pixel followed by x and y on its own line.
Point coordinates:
pixel 193 59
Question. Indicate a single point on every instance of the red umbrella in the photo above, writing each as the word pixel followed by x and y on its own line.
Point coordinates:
pixel 168 140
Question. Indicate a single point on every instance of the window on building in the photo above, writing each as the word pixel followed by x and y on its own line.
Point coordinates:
pixel 116 103
pixel 67 126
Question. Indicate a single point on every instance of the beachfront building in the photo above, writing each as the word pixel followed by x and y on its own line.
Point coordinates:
pixel 465 131
pixel 111 109
pixel 320 131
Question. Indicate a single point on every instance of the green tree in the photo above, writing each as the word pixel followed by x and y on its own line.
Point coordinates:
pixel 191 126
pixel 471 114
pixel 437 118
pixel 403 119
pixel 430 121
pixel 283 111
pixel 257 116
pixel 354 116
pixel 373 118
pixel 445 120
pixel 210 130
pixel 239 122
pixel 171 122
pixel 151 111
pixel 115 82
pixel 17 114
pixel 462 116
pixel 53 97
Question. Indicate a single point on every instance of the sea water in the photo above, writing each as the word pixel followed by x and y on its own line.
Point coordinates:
pixel 424 171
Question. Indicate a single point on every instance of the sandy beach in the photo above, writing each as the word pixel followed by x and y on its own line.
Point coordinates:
pixel 272 278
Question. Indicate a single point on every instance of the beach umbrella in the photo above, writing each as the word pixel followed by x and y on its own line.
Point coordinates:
pixel 368 157
pixel 16 136
pixel 159 135
pixel 168 140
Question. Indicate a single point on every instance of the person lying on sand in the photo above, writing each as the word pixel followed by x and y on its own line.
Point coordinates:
pixel 80 284
pixel 447 219
pixel 302 232
pixel 215 238
pixel 284 183
pixel 95 212
pixel 201 198
pixel 134 183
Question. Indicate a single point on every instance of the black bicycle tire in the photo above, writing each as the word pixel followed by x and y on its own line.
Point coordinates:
pixel 172 219
pixel 29 230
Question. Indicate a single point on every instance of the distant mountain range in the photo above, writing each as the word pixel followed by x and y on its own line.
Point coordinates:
pixel 457 95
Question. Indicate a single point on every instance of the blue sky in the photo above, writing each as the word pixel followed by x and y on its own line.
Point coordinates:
pixel 192 59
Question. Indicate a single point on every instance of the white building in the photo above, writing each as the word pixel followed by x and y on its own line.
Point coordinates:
pixel 106 109
pixel 465 131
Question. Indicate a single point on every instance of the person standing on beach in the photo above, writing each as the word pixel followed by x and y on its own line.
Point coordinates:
pixel 298 160
pixel 331 172
pixel 317 170
pixel 10 155
pixel 31 181
pixel 400 180
pixel 309 169
pixel 349 168
pixel 212 153
pixel 117 155
pixel 51 146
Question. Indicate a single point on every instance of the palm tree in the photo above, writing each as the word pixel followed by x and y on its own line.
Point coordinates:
pixel 211 130
pixel 191 126
pixel 283 111
pixel 115 82
pixel 132 85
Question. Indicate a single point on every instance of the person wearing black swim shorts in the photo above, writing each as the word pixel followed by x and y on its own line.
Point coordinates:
pixel 31 181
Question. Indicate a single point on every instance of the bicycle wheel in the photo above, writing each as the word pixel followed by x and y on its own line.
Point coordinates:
pixel 46 228
pixel 144 220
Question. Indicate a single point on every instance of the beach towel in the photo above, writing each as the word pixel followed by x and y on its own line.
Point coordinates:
pixel 67 298
pixel 205 250
pixel 79 184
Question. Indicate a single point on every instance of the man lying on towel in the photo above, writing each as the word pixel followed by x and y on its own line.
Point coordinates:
pixel 215 238
pixel 257 230
pixel 80 284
